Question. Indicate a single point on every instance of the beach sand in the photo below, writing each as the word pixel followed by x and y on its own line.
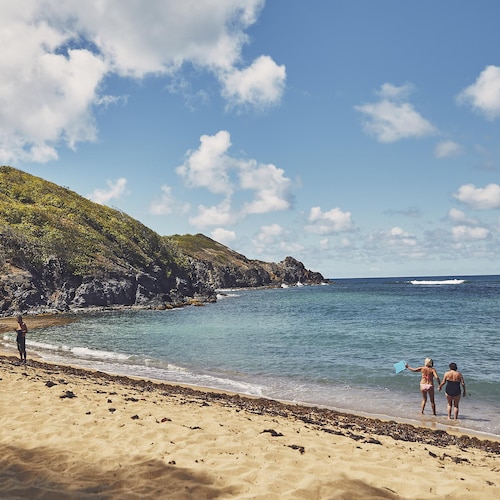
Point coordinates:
pixel 67 432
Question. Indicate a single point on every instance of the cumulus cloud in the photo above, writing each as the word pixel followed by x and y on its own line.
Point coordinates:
pixel 56 56
pixel 398 236
pixel 260 85
pixel 458 217
pixel 446 149
pixel 466 233
pixel 217 215
pixel 209 166
pixel 394 92
pixel 271 187
pixel 45 96
pixel 330 222
pixel 115 191
pixel 268 237
pixel 484 94
pixel 486 198
pixel 396 242
pixel 166 204
pixel 212 167
pixel 392 118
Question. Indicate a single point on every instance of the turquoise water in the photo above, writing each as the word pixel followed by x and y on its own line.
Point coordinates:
pixel 332 345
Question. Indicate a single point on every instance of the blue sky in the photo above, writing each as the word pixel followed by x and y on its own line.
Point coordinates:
pixel 360 137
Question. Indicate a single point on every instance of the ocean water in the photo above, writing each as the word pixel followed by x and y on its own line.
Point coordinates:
pixel 333 345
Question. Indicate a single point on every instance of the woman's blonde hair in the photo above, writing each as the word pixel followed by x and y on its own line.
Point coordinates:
pixel 429 362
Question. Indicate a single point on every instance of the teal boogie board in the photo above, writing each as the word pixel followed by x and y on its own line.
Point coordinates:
pixel 399 367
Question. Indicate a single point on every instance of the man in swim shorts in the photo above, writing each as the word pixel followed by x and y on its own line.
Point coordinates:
pixel 453 380
pixel 427 382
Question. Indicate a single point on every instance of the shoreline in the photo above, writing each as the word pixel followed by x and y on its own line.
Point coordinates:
pixel 89 434
pixel 8 324
pixel 312 414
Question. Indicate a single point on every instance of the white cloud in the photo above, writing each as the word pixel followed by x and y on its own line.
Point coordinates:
pixel 56 56
pixel 458 217
pixel 479 198
pixel 396 244
pixel 139 41
pixel 466 233
pixel 446 149
pixel 115 190
pixel 272 188
pixel 331 222
pixel 167 204
pixel 208 166
pixel 268 237
pixel 45 97
pixel 260 85
pixel 484 95
pixel 398 236
pixel 393 92
pixel 213 168
pixel 219 215
pixel 391 120
pixel 223 236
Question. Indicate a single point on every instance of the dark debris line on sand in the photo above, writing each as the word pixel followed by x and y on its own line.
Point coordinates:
pixel 330 421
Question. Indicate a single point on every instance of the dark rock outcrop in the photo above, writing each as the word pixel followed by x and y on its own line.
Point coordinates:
pixel 23 291
pixel 52 290
pixel 220 267
pixel 254 274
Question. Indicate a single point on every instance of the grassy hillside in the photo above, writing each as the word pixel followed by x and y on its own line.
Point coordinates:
pixel 40 220
pixel 201 247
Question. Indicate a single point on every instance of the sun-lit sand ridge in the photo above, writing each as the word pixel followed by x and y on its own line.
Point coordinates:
pixel 72 433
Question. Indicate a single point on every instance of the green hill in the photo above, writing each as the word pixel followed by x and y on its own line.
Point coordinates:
pixel 60 251
pixel 40 220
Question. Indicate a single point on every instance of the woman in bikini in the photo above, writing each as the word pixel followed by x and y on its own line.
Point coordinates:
pixel 427 382
pixel 453 380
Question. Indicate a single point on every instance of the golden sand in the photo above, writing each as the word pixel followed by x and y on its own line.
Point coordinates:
pixel 72 433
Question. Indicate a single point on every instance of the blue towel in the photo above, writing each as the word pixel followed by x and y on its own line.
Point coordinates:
pixel 399 367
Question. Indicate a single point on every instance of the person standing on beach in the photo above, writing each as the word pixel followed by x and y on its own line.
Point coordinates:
pixel 427 382
pixel 453 380
pixel 21 331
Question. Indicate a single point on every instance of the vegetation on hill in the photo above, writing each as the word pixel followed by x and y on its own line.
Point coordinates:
pixel 201 247
pixel 40 220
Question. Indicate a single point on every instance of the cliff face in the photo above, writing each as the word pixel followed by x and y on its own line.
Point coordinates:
pixel 221 267
pixel 60 252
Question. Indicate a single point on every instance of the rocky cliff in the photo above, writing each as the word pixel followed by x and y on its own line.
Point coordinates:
pixel 220 267
pixel 61 252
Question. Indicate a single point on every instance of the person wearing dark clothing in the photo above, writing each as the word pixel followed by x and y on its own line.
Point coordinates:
pixel 453 380
pixel 21 331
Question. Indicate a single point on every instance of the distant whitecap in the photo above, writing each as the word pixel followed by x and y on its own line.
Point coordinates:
pixel 437 282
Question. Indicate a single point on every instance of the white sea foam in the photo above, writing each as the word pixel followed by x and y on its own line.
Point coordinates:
pixel 84 352
pixel 226 295
pixel 437 282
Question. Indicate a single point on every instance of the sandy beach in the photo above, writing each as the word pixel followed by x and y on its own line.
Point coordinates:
pixel 67 432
